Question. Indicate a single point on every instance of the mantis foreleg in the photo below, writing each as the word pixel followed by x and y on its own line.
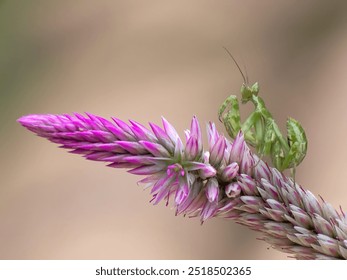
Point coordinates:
pixel 231 119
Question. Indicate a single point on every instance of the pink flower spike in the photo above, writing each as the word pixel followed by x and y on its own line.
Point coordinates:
pixel 239 186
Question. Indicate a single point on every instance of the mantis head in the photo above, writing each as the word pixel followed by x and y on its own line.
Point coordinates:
pixel 248 92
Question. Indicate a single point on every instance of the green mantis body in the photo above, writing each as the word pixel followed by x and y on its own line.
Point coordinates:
pixel 261 131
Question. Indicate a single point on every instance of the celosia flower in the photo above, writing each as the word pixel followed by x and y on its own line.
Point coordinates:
pixel 227 180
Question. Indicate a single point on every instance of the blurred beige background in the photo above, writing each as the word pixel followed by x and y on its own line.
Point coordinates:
pixel 140 60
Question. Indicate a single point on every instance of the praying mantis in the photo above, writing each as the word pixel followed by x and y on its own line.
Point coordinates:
pixel 260 129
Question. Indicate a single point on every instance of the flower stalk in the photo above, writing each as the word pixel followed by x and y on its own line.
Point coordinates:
pixel 225 180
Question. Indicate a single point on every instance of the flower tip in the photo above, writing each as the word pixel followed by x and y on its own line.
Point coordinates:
pixel 22 120
pixel 163 119
pixel 90 115
pixel 239 135
pixel 27 120
pixel 195 121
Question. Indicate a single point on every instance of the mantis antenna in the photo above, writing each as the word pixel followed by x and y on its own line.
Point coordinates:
pixel 245 78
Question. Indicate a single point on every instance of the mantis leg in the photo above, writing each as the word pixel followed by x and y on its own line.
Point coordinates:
pixel 283 141
pixel 289 160
pixel 268 144
pixel 259 129
pixel 260 133
pixel 253 121
pixel 297 143
pixel 282 155
pixel 231 125
pixel 269 138
pixel 297 138
pixel 234 107
pixel 273 144
pixel 277 155
pixel 231 119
